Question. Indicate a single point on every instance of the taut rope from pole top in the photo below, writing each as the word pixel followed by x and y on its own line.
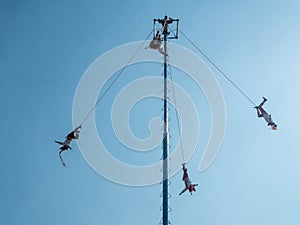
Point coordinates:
pixel 116 78
pixel 208 59
pixel 177 116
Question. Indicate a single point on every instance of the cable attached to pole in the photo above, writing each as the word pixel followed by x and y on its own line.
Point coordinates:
pixel 116 78
pixel 208 59
pixel 177 116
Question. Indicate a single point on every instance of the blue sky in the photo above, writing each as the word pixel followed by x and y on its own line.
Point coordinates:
pixel 45 47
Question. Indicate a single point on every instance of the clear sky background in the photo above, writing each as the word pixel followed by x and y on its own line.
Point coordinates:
pixel 45 47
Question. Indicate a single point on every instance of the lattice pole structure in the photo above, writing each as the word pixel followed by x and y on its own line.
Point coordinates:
pixel 165 184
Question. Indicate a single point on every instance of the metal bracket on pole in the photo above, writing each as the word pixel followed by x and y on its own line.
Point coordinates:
pixel 165 26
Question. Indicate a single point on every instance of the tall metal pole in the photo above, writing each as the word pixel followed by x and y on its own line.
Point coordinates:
pixel 166 132
pixel 165 31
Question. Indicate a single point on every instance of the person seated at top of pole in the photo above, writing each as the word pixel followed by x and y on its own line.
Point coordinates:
pixel 164 22
pixel 262 113
pixel 66 144
pixel 188 184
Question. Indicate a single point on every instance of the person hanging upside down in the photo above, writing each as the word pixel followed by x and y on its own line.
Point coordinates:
pixel 187 182
pixel 157 36
pixel 156 43
pixel 66 144
pixel 262 113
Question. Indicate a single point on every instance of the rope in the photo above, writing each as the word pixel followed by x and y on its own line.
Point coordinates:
pixel 202 53
pixel 116 78
pixel 177 116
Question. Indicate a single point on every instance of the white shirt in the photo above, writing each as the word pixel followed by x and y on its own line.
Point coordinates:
pixel 268 118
